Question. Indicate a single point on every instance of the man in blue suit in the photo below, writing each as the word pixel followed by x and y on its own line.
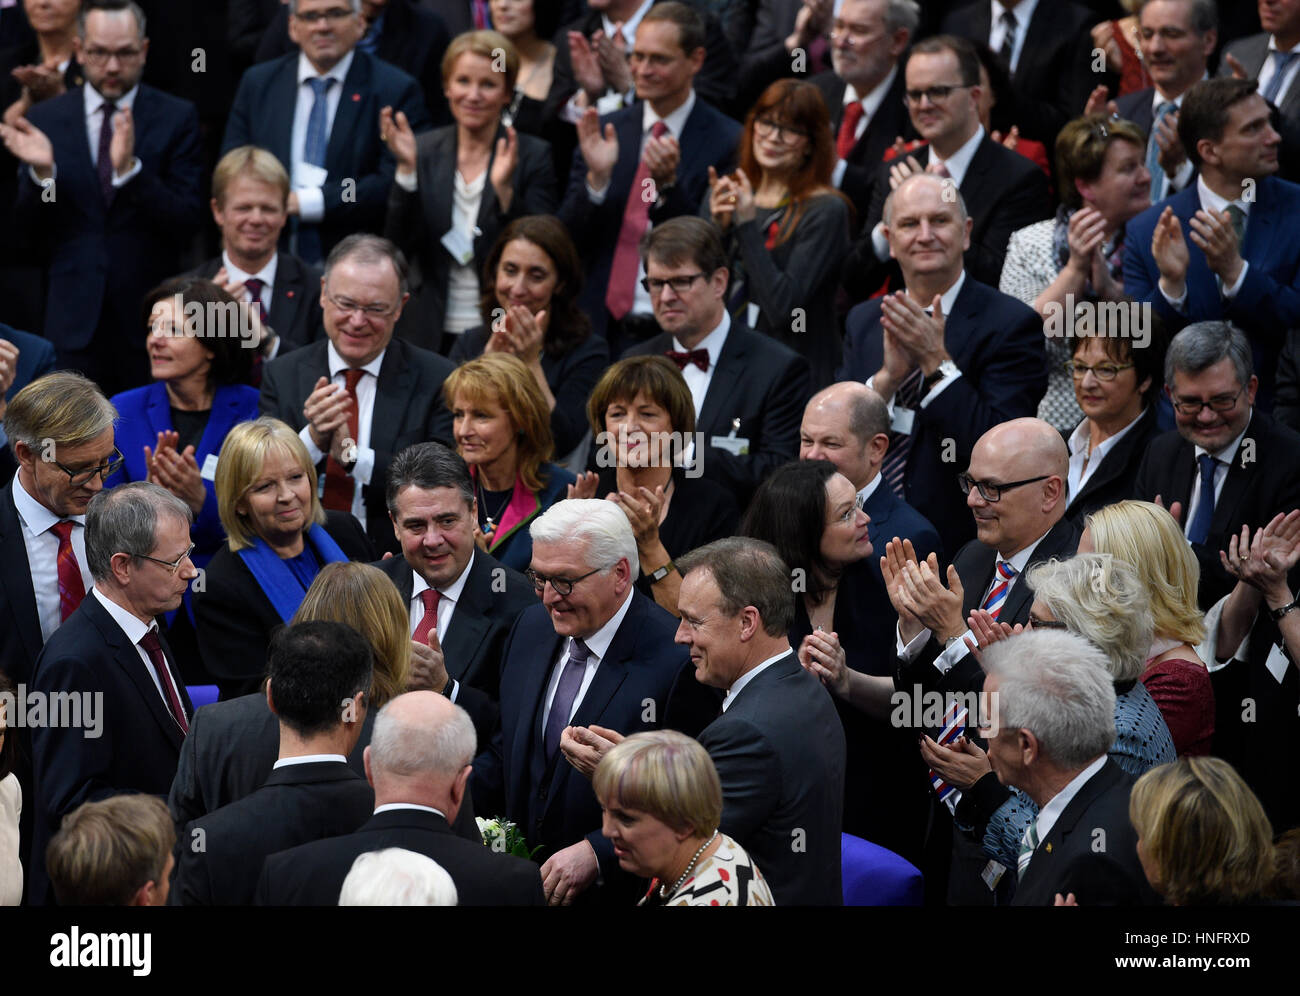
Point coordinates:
pixel 597 654
pixel 952 357
pixel 109 196
pixel 1224 249
pixel 318 111
pixel 641 166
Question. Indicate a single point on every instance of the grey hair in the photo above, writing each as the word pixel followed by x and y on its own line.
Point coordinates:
pixel 868 415
pixel 1055 684
pixel 125 520
pixel 943 182
pixel 369 250
pixel 1204 15
pixel 902 14
pixel 112 7
pixel 397 877
pixel 354 4
pixel 428 466
pixel 600 523
pixel 405 749
pixel 1202 344
pixel 1103 600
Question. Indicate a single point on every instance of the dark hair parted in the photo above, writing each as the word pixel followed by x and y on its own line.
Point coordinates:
pixel 747 572
pixel 789 512
pixel 232 355
pixel 428 466
pixel 968 60
pixel 316 668
pixel 686 239
pixel 1204 111
pixel 691 32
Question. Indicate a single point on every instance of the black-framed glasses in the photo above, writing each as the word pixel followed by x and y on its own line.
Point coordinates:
pixel 1102 371
pixel 935 94
pixel 80 478
pixel 680 285
pixel 785 134
pixel 563 586
pixel 1193 406
pixel 851 514
pixel 171 565
pixel 102 56
pixel 333 14
pixel 990 491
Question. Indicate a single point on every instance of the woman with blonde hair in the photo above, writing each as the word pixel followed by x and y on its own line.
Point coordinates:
pixel 1149 540
pixel 1203 838
pixel 662 802
pixel 502 427
pixel 277 540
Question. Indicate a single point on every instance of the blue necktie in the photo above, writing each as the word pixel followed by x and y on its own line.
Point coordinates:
pixel 1281 63
pixel 575 669
pixel 1158 179
pixel 1199 530
pixel 314 147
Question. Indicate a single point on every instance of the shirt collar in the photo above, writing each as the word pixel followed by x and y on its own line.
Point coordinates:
pixel 870 488
pixel 452 591
pixel 1229 452
pixel 286 762
pixel 1023 11
pixel 306 71
pixel 599 641
pixel 129 623
pixel 1213 203
pixel 1050 813
pixel 629 26
pixel 94 100
pixel 1020 561
pixel 1274 47
pixel 872 101
pixel 959 161
pixel 266 274
pixel 338 364
pixel 675 121
pixel 711 343
pixel 1158 98
pixel 36 516
pixel 739 684
pixel 389 806
pixel 1078 441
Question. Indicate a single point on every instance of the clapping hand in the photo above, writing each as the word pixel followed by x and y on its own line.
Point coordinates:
pixel 504 164
pixel 1214 235
pixel 986 630
pixel 177 472
pixel 599 150
pixel 121 148
pixel 722 198
pixel 326 411
pixel 1086 233
pixel 961 763
pixel 30 145
pixel 585 486
pixel 1170 253
pixel 643 511
pixel 584 746
pixel 520 333
pixel 918 334
pixel 822 656
pixel 611 56
pixel 397 134
pixel 922 593
pixel 1264 561
pixel 898 554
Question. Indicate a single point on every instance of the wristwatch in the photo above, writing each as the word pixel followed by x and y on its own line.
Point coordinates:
pixel 1277 614
pixel 663 572
pixel 945 369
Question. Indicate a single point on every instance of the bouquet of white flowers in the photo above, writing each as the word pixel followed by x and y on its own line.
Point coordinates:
pixel 505 837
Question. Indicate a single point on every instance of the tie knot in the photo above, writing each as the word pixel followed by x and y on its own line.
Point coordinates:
pixel 62 530
pixel 109 108
pixel 1208 463
pixel 1006 571
pixel 1009 20
pixel 254 286
pixel 658 129
pixel 430 597
pixel 321 84
pixel 150 642
pixel 1165 108
pixel 578 650
pixel 352 378
pixel 700 357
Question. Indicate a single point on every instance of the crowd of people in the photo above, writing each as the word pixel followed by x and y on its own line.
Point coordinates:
pixel 615 452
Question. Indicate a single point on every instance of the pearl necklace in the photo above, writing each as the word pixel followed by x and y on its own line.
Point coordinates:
pixel 678 884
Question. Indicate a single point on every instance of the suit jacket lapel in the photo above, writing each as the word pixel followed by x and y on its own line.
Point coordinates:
pixel 1261 227
pixel 1202 284
pixel 1115 462
pixel 391 396
pixel 726 378
pixel 974 591
pixel 17 578
pixel 347 119
pixel 282 110
pixel 1053 844
pixel 468 625
pixel 441 180
pixel 289 294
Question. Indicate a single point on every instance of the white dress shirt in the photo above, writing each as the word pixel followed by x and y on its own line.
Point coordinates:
pixel 288 762
pixel 1269 69
pixel 598 645
pixel 135 631
pixel 43 556
pixel 448 598
pixel 869 488
pixel 739 684
pixel 1225 457
pixel 94 110
pixel 311 198
pixel 1022 12
pixel 266 274
pixel 1080 471
pixel 388 806
pixel 696 379
pixel 870 105
pixel 462 280
pixel 1049 814
pixel 1183 174
pixel 366 388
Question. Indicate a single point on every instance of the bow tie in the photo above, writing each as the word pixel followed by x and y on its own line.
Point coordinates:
pixel 700 357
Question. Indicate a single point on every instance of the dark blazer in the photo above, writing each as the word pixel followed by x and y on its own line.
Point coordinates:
pixel 570 377
pixel 299 803
pixel 139 740
pixel 997 343
pixel 553 803
pixel 359 166
pixel 416 221
pixel 779 751
pixel 35 358
pixel 313 874
pixel 760 382
pixel 1003 191
pixel 295 312
pixel 1259 485
pixel 1115 478
pixel 235 619
pixel 708 138
pixel 1067 859
pixel 20 625
pixel 1286 403
pixel 1053 78
pixel 1269 297
pixel 408 409
pixel 103 258
pixel 1252 52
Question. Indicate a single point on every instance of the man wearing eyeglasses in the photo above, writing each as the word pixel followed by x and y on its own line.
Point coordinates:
pixel 595 656
pixel 1227 464
pixel 111 657
pixel 109 197
pixel 360 397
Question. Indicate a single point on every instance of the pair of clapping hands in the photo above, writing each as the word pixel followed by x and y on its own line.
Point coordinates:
pixel 643 509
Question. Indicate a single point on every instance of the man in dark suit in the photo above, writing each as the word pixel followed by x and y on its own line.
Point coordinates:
pixel 1003 190
pixel 23 358
pixel 748 389
pixel 1270 58
pixel 320 674
pixel 462 602
pixel 318 111
pixel 788 38
pixel 250 198
pixel 414 803
pixel 361 396
pixel 1222 248
pixel 1047 48
pixel 1058 687
pixel 642 165
pixel 110 659
pixel 1227 464
pixel 596 653
pixel 778 745
pixel 952 356
pixel 108 225
pixel 864 91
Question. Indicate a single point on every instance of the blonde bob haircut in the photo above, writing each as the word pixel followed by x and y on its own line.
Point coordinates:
pixel 502 379
pixel 239 466
pixel 1147 537
pixel 1205 832
pixel 366 599
pixel 666 774
pixel 254 163
pixel 488 44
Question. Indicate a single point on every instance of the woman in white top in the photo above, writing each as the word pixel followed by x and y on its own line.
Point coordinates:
pixel 11 808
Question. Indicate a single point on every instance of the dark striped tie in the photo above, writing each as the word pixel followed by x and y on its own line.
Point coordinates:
pixel 894 466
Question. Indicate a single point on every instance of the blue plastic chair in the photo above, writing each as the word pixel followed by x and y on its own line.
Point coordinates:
pixel 874 876
pixel 201 695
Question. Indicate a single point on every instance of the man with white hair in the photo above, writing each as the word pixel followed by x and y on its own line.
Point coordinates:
pixel 597 655
pixel 397 877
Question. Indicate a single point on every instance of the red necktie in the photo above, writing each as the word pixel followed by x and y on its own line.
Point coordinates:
pixel 429 621
pixel 848 136
pixel 339 487
pixel 71 588
pixel 153 647
pixel 482 15
pixel 621 291
pixel 700 357
pixel 254 287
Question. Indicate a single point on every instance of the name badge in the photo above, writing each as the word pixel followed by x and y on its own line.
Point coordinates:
pixel 734 445
pixel 751 315
pixel 992 874
pixel 209 471
pixel 901 420
pixel 458 245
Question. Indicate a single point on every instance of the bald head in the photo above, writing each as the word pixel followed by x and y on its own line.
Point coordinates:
pixel 1030 445
pixel 1024 449
pixel 847 424
pixel 420 752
